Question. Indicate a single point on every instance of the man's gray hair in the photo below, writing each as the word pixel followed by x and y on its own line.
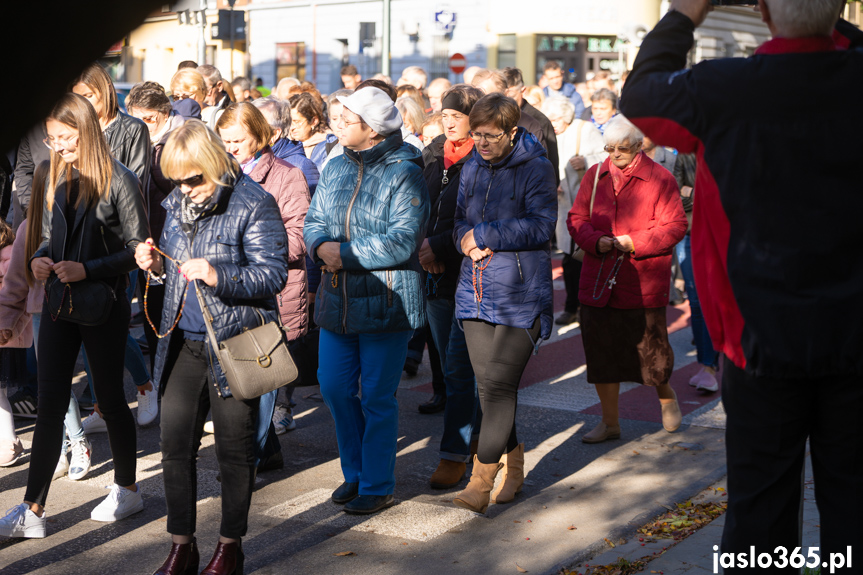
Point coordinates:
pixel 620 130
pixel 415 73
pixel 335 95
pixel 604 94
pixel 276 111
pixel 559 107
pixel 801 18
pixel 211 74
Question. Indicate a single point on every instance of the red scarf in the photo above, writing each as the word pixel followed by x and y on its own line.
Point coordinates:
pixel 453 152
pixel 619 178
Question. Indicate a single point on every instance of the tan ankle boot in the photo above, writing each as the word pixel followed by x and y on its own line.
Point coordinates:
pixel 513 477
pixel 478 492
pixel 448 474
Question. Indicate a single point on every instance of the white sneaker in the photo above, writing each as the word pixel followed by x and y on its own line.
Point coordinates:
pixel 94 423
pixel 63 463
pixel 81 453
pixel 283 419
pixel 148 407
pixel 21 522
pixel 208 427
pixel 119 504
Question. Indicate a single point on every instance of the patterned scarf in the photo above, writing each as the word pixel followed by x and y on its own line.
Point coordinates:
pixel 619 178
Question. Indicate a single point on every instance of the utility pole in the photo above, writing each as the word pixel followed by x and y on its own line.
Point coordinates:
pixel 202 39
pixel 231 7
pixel 385 49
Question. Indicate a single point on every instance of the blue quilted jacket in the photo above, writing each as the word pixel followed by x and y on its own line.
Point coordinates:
pixel 245 241
pixel 375 203
pixel 512 208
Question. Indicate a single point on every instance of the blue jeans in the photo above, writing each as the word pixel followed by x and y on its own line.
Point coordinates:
pixel 703 344
pixel 367 428
pixel 461 394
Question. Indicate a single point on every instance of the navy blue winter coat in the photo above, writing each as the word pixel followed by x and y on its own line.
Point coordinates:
pixel 512 208
pixel 244 239
pixel 375 203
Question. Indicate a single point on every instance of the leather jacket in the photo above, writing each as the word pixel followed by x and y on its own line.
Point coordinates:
pixel 103 237
pixel 129 141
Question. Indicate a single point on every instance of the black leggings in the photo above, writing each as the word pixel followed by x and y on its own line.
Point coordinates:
pixel 59 344
pixel 571 277
pixel 499 354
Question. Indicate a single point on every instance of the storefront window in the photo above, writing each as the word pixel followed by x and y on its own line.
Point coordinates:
pixel 291 60
pixel 506 48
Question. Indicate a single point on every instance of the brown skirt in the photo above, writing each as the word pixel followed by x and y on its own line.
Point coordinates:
pixel 626 345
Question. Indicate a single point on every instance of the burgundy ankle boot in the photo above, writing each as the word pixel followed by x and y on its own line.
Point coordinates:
pixel 228 559
pixel 182 560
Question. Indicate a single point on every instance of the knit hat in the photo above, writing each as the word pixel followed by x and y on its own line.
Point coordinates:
pixel 375 108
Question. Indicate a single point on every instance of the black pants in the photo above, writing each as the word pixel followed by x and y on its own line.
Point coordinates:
pixel 187 397
pixel 769 421
pixel 571 275
pixel 59 344
pixel 499 354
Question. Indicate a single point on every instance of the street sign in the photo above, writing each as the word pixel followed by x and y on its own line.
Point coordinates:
pixel 457 63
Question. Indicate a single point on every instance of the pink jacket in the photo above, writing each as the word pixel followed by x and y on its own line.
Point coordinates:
pixel 17 299
pixel 288 185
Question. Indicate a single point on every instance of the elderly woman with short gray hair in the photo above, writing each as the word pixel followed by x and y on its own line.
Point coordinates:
pixel 627 218
pixel 581 147
pixel 603 107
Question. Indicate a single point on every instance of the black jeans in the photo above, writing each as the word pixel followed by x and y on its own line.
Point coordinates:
pixel 769 421
pixel 499 354
pixel 59 344
pixel 187 397
pixel 571 276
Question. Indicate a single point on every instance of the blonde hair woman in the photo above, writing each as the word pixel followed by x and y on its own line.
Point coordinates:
pixel 189 83
pixel 225 236
pixel 97 218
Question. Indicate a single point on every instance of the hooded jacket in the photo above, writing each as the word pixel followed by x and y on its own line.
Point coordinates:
pixel 288 186
pixel 375 203
pixel 512 208
pixel 244 240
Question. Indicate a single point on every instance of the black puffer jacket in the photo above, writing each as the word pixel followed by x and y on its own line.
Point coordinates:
pixel 104 237
pixel 129 141
pixel 444 197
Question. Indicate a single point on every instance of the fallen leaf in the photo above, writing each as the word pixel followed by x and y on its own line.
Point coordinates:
pixel 404 543
pixel 520 568
pixel 544 507
pixel 635 452
pixel 344 553
pixel 607 540
pixel 571 528
pixel 516 521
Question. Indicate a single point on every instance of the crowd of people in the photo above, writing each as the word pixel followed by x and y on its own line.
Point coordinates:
pixel 368 223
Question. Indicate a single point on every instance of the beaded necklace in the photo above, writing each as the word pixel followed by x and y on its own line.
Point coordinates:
pixel 477 294
pixel 611 280
pixel 178 263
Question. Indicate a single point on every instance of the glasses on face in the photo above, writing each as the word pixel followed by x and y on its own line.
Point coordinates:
pixel 490 138
pixel 621 149
pixel 344 122
pixel 192 181
pixel 53 143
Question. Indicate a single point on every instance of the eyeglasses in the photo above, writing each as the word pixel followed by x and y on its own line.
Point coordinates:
pixel 64 143
pixel 346 123
pixel 621 149
pixel 192 181
pixel 490 138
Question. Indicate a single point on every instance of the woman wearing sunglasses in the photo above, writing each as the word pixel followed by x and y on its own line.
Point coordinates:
pixel 627 218
pixel 94 219
pixel 504 221
pixel 224 236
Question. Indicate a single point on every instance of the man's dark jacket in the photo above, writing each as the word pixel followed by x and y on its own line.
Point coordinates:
pixel 777 219
pixel 549 137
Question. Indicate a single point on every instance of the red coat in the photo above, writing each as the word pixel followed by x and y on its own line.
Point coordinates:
pixel 288 185
pixel 649 210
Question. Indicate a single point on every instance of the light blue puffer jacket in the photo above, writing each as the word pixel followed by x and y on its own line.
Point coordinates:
pixel 375 203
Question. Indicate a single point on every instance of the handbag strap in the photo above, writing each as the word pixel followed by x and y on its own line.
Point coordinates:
pixel 578 137
pixel 208 319
pixel 595 182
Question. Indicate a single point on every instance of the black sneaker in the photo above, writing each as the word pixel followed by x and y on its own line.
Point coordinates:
pixel 411 366
pixel 368 504
pixel 23 405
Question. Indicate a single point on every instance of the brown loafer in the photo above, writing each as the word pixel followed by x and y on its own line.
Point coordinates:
pixel 601 433
pixel 671 415
pixel 448 474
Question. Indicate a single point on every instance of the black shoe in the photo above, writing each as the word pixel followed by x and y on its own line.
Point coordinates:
pixel 23 405
pixel 346 493
pixel 368 504
pixel 271 463
pixel 411 366
pixel 567 318
pixel 436 404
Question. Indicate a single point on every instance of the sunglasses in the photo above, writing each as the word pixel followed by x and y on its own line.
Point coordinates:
pixel 192 182
pixel 621 149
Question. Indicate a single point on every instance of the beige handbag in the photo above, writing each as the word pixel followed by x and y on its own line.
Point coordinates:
pixel 256 361
pixel 579 254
